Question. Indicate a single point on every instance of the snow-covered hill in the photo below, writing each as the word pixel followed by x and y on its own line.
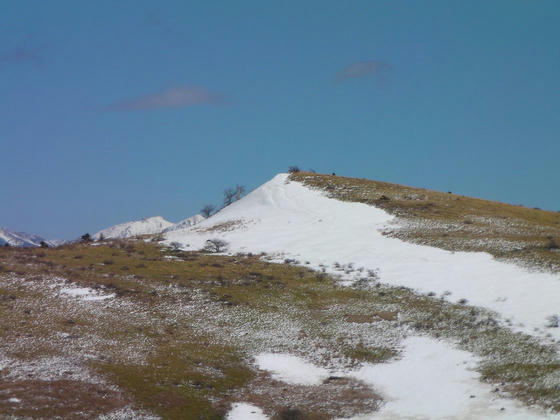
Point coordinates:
pixel 21 239
pixel 147 226
pixel 285 219
pixel 289 219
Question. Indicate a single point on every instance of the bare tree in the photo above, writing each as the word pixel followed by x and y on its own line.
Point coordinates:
pixel 207 210
pixel 215 245
pixel 239 192
pixel 229 195
pixel 293 169
pixel 233 194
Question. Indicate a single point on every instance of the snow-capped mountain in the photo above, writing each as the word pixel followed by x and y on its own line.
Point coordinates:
pixel 183 224
pixel 21 238
pixel 147 226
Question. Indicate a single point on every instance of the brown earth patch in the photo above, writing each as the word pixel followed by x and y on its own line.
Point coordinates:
pixel 335 397
pixel 374 317
pixel 57 399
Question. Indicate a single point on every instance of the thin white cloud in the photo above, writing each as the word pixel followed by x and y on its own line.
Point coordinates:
pixel 177 97
pixel 21 55
pixel 362 70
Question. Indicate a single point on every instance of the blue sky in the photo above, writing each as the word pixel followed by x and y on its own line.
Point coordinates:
pixel 113 111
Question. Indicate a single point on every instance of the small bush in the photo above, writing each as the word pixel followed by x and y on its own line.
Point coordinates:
pixel 175 245
pixel 86 237
pixel 553 321
pixel 290 414
pixel 215 245
pixel 293 169
pixel 207 210
pixel 551 243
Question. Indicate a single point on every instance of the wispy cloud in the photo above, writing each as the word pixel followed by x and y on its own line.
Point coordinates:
pixel 177 97
pixel 362 70
pixel 21 55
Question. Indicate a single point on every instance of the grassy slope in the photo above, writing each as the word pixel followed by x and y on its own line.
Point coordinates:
pixel 527 236
pixel 178 336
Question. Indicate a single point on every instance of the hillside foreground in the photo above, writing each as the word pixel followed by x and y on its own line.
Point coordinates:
pixel 316 311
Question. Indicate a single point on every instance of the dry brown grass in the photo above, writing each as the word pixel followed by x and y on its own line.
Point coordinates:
pixel 453 222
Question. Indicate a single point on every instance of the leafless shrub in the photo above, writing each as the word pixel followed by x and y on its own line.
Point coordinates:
pixel 553 321
pixel 215 245
pixel 175 245
pixel 207 210
pixel 233 194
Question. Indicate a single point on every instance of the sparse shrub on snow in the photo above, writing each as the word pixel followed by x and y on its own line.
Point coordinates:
pixel 553 321
pixel 175 245
pixel 215 245
pixel 207 210
pixel 293 169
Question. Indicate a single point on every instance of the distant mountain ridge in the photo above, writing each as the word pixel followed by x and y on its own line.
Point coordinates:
pixel 146 226
pixel 191 221
pixel 22 239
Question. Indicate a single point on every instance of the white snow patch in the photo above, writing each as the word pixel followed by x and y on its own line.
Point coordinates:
pixel 14 400
pixel 436 381
pixel 291 369
pixel 245 411
pixel 85 293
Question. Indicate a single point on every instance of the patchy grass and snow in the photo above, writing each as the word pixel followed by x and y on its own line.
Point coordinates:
pixel 433 380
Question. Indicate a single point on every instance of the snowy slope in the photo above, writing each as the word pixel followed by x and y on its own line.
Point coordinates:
pixel 290 219
pixel 183 224
pixel 20 238
pixel 149 225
